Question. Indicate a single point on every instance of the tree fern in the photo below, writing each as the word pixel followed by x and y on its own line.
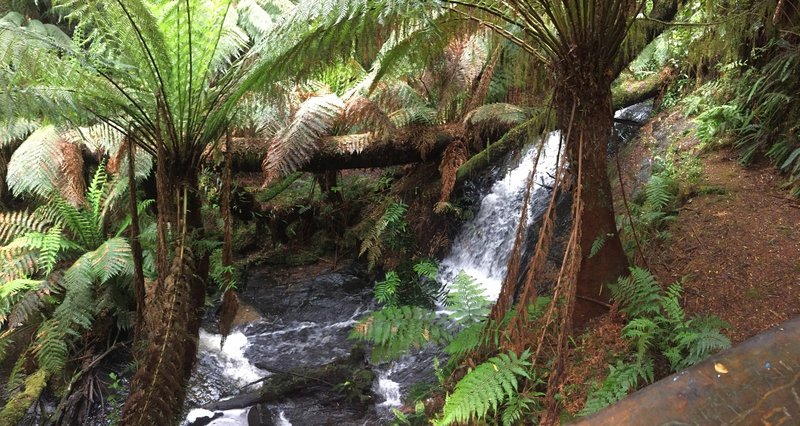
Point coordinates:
pixel 485 388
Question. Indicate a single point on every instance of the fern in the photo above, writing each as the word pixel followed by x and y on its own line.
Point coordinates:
pixel 642 332
pixel 519 405
pixel 395 330
pixel 466 301
pixel 638 294
pixel 386 290
pixel 13 224
pixel 621 380
pixel 385 231
pixel 598 244
pixel 485 388
pixel 657 324
pixel 659 192
pixel 427 269
pixel 465 341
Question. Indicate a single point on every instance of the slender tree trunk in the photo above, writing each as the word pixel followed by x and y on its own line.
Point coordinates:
pixel 136 247
pixel 593 123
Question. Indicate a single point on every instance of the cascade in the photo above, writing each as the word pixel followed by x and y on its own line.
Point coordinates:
pixel 483 245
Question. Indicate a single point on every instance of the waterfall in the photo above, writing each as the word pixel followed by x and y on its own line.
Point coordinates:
pixel 483 246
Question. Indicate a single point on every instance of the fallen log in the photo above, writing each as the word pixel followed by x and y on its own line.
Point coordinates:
pixel 305 380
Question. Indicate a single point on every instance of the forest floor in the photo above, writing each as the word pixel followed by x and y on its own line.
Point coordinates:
pixel 735 241
pixel 737 248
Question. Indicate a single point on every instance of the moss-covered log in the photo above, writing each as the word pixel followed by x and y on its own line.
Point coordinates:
pixel 628 91
pixel 18 405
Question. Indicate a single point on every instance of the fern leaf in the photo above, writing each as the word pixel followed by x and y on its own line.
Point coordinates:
pixel 427 269
pixel 485 388
pixel 294 146
pixel 466 301
pixel 638 294
pixel 621 380
pixel 395 330
pixel 15 224
pixel 51 245
pixel 386 290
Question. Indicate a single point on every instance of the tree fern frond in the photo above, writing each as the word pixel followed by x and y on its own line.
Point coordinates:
pixel 16 131
pixel 14 224
pixel 51 245
pixel 34 166
pixel 485 388
pixel 293 147
pixel 96 193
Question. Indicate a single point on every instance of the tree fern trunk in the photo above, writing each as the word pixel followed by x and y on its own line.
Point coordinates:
pixel 590 92
pixel 174 311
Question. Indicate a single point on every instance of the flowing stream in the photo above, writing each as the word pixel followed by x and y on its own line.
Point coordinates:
pixel 306 323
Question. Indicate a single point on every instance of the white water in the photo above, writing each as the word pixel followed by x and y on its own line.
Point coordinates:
pixel 230 358
pixel 282 420
pixel 483 245
pixel 388 389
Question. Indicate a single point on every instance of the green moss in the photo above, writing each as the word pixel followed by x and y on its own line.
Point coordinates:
pixel 18 405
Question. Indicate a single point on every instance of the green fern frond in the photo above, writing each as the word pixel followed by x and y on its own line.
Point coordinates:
pixel 465 341
pixel 78 309
pixel 386 290
pixel 466 301
pixel 383 232
pixel 659 191
pixel 485 388
pixel 395 330
pixel 427 269
pixel 638 293
pixel 293 147
pixel 642 332
pixel 621 380
pixel 14 224
pixel 96 193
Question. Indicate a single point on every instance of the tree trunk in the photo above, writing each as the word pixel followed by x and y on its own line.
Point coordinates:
pixel 174 309
pixel 592 122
